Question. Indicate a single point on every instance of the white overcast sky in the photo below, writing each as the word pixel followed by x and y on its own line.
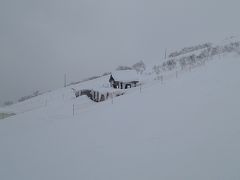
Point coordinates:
pixel 40 40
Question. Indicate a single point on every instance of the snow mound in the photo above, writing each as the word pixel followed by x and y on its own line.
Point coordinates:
pixel 126 75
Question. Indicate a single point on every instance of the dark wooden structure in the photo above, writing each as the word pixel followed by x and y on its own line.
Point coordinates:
pixel 121 84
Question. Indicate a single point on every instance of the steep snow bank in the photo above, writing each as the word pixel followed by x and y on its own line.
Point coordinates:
pixel 185 128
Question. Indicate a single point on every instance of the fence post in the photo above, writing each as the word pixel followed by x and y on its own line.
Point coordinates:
pixel 65 80
pixel 165 55
pixel 161 77
pixel 112 98
pixel 73 109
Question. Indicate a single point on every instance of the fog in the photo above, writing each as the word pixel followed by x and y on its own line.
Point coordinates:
pixel 40 41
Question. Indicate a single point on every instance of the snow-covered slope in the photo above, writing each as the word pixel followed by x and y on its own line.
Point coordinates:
pixel 187 58
pixel 65 95
pixel 186 127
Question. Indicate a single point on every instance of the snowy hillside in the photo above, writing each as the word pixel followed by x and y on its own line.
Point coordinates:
pixel 177 63
pixel 182 123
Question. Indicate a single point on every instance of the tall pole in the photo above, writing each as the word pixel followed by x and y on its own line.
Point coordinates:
pixel 165 56
pixel 112 98
pixel 73 109
pixel 65 80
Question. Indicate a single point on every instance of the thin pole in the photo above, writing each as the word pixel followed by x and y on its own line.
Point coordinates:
pixel 73 109
pixel 65 80
pixel 165 56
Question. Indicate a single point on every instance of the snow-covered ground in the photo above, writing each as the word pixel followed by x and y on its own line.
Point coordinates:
pixel 186 127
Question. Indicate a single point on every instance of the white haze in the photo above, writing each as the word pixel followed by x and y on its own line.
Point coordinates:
pixel 42 40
